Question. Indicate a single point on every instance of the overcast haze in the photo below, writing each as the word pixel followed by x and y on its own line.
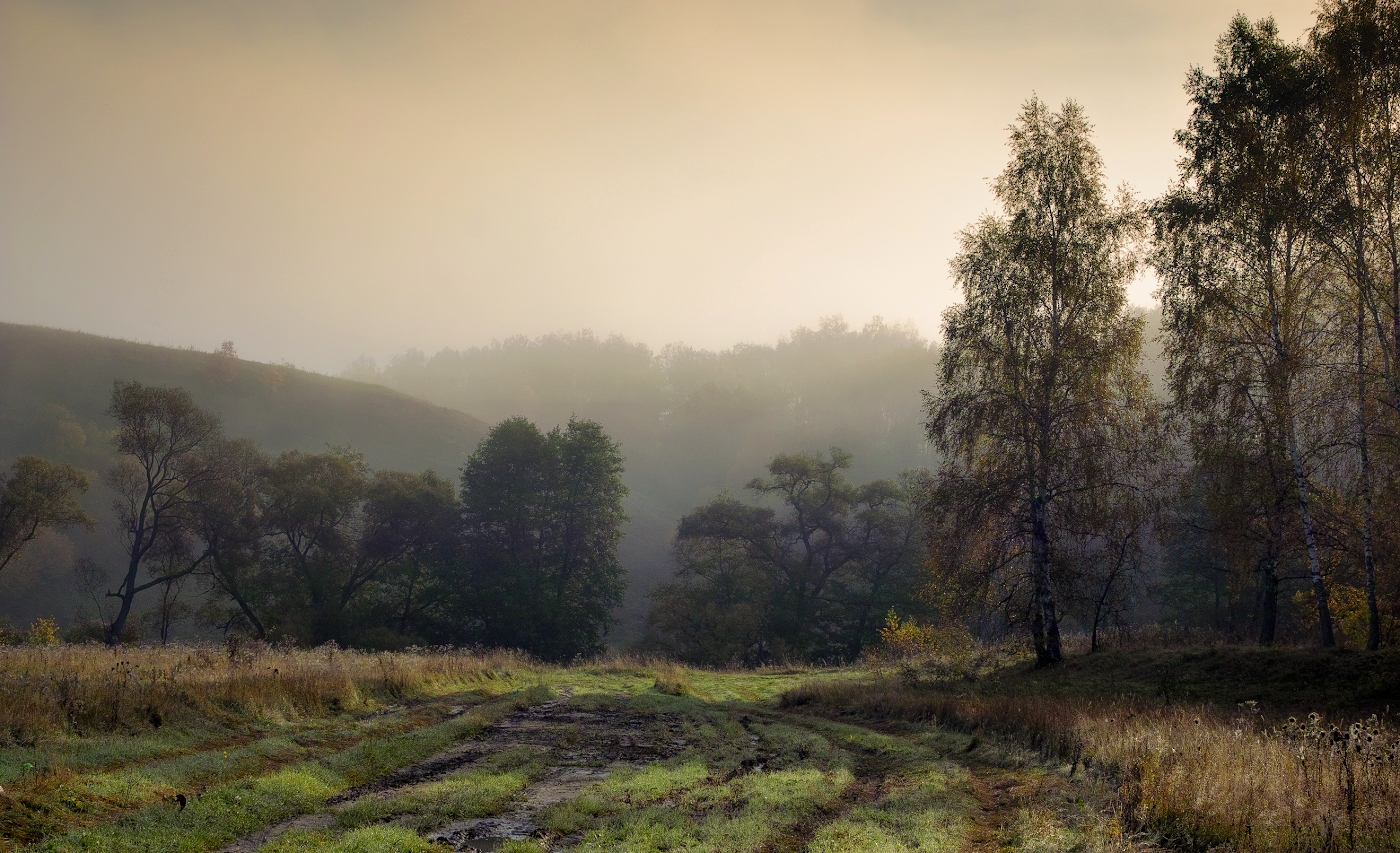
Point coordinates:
pixel 320 180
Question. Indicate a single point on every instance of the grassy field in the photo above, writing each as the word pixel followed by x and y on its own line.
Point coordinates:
pixel 200 749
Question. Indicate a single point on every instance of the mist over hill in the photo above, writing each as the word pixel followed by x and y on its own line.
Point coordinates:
pixel 694 422
pixel 54 391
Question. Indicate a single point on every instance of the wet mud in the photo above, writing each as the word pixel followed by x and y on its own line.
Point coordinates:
pixel 580 747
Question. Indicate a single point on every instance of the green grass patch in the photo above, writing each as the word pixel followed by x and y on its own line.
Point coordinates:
pixel 232 809
pixel 370 839
pixel 926 813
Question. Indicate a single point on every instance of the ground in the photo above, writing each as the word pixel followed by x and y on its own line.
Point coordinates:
pixel 604 758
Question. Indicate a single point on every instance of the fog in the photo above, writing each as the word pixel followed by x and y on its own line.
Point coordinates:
pixel 321 180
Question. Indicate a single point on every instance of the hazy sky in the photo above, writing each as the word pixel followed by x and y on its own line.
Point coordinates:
pixel 318 180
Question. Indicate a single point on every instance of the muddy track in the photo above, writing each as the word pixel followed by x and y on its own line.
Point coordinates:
pixel 1000 795
pixel 582 747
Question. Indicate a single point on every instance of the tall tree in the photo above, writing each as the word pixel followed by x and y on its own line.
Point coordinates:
pixel 160 432
pixel 37 496
pixel 224 516
pixel 1356 80
pixel 1243 291
pixel 419 528
pixel 542 517
pixel 1039 370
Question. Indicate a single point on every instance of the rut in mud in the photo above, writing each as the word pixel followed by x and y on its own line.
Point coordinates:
pixel 579 747
pixel 583 747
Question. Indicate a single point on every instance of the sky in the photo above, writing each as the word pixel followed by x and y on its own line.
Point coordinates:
pixel 317 180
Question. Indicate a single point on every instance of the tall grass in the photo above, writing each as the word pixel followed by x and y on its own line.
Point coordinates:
pixel 1200 778
pixel 89 689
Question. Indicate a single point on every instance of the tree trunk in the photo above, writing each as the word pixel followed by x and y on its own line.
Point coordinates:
pixel 1268 604
pixel 260 631
pixel 1368 557
pixel 126 592
pixel 1324 613
pixel 233 591
pixel 1047 651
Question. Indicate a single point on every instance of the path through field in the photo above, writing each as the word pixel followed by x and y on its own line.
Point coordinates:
pixel 614 764
pixel 653 772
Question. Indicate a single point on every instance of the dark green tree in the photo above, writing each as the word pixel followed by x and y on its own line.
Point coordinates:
pixel 336 528
pixel 717 608
pixel 410 600
pixel 224 518
pixel 1039 371
pixel 542 517
pixel 810 578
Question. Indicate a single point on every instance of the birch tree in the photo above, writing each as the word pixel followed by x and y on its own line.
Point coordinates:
pixel 1244 288
pixel 1039 370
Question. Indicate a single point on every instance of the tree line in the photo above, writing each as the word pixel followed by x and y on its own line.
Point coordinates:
pixel 1258 496
pixel 1272 465
pixel 694 421
pixel 316 547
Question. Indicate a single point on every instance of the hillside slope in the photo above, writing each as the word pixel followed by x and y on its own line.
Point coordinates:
pixel 52 381
pixel 54 388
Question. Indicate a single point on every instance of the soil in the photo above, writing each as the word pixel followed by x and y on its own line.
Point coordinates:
pixel 582 747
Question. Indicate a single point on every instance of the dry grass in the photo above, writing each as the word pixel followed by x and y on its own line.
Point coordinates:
pixel 1200 778
pixel 89 689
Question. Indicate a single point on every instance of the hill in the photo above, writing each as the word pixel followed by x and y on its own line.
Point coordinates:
pixel 54 388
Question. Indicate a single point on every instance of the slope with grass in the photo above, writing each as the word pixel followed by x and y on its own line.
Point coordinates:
pixel 1209 748
pixel 56 384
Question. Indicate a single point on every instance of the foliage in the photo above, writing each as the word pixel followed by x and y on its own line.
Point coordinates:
pixel 1041 400
pixel 38 495
pixel 160 433
pixel 336 528
pixel 808 581
pixel 694 422
pixel 542 516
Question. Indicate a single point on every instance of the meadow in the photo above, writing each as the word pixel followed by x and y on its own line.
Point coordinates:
pixel 252 748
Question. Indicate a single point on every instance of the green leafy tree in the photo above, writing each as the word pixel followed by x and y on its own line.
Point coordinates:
pixel 408 599
pixel 36 496
pixel 717 608
pixel 224 516
pixel 1039 370
pixel 1356 83
pixel 542 517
